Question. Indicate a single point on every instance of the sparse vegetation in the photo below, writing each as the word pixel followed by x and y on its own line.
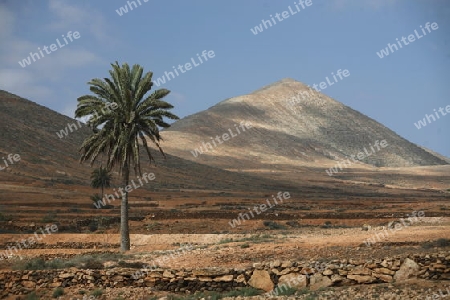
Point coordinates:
pixel 97 293
pixel 261 238
pixel 225 241
pixel 32 296
pixel 59 291
pixel 437 243
pixel 133 265
pixel 443 242
pixel 287 291
pixel 49 217
pixel 153 226
pixel 93 226
pixel 242 292
pixel 274 225
pixel 87 261
pixel 5 218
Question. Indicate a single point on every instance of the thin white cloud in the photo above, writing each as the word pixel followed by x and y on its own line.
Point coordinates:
pixel 23 83
pixel 6 22
pixel 68 16
pixel 58 63
pixel 35 80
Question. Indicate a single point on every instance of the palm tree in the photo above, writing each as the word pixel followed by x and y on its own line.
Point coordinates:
pixel 101 178
pixel 130 117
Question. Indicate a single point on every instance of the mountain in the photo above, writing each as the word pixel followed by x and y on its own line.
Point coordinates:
pixel 48 156
pixel 281 149
pixel 292 127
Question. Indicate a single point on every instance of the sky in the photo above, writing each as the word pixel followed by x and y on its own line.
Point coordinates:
pixel 307 44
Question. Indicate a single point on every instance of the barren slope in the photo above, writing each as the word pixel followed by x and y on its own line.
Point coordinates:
pixel 316 131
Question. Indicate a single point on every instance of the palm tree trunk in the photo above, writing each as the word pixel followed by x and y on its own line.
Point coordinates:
pixel 124 228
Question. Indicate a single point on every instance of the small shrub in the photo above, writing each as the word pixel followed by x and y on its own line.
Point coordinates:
pixel 59 291
pixel 49 218
pixel 153 226
pixel 303 291
pixel 443 242
pixel 286 291
pixel 32 296
pixel 33 264
pixel 293 224
pixel 93 226
pixel 245 245
pixel 74 209
pixel 427 245
pixel 133 265
pixel 273 225
pixel 86 261
pixel 5 218
pixel 304 208
pixel 93 264
pixel 225 241
pixel 245 292
pixel 97 292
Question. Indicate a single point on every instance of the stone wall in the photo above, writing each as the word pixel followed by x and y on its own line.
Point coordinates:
pixel 266 276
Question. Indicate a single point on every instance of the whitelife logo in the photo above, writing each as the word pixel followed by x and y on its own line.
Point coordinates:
pixel 414 218
pixel 281 17
pixel 35 56
pixel 128 189
pixel 411 38
pixel 124 9
pixel 360 156
pixel 29 242
pixel 11 157
pixel 423 122
pixel 225 137
pixel 161 80
pixel 262 208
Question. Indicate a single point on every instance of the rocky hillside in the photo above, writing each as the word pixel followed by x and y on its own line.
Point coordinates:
pixel 49 156
pixel 290 125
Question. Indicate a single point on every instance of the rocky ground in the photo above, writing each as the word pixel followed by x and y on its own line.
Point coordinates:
pixel 414 290
pixel 243 250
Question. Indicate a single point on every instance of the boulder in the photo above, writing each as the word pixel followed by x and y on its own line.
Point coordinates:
pixel 261 280
pixel 293 280
pixel 318 281
pixel 408 269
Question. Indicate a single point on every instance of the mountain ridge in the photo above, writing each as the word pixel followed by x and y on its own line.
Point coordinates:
pixel 320 128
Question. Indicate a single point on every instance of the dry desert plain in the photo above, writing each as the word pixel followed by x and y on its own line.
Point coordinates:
pixel 298 229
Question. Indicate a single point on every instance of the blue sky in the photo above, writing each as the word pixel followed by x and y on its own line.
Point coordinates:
pixel 397 90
